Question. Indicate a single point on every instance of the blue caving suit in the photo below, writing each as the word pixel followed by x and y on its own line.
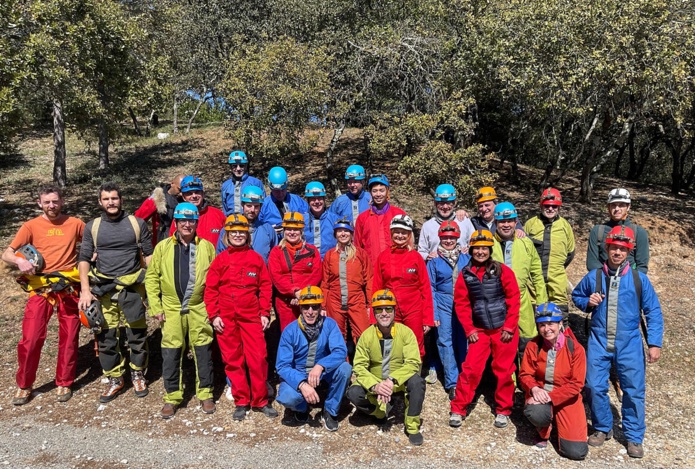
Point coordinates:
pixel 347 205
pixel 615 337
pixel 322 226
pixel 232 189
pixel 271 214
pixel 263 239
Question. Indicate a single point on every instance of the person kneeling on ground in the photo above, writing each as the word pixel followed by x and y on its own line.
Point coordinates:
pixel 552 376
pixel 312 355
pixel 387 361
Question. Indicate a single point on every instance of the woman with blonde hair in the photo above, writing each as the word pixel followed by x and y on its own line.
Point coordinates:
pixel 402 270
pixel 347 281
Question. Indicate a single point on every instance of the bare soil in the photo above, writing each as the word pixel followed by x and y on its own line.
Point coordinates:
pixel 128 432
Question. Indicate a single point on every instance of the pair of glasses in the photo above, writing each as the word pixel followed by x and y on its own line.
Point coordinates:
pixel 384 309
pixel 186 221
pixel 308 307
pixel 238 165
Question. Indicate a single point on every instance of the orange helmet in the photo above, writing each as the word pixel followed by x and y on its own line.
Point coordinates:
pixel 481 238
pixel 551 196
pixel 621 236
pixel 236 222
pixel 449 228
pixel 485 193
pixel 310 296
pixel 93 318
pixel 293 220
pixel 383 298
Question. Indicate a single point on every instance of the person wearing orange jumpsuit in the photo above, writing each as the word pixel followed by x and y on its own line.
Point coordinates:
pixel 552 376
pixel 372 227
pixel 237 297
pixel 402 270
pixel 487 302
pixel 347 282
pixel 293 264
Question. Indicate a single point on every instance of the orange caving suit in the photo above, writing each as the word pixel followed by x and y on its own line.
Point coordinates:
pixel 289 274
pixel 347 288
pixel 404 272
pixel 563 381
pixel 238 290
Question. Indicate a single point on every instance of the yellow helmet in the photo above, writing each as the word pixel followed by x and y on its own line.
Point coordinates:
pixel 293 220
pixel 383 298
pixel 485 193
pixel 481 238
pixel 310 296
pixel 236 222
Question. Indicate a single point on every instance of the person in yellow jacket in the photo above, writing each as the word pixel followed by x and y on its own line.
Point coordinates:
pixel 387 361
pixel 520 255
pixel 554 240
pixel 175 282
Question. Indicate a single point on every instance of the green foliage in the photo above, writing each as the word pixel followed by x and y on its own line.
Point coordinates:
pixel 275 90
pixel 11 73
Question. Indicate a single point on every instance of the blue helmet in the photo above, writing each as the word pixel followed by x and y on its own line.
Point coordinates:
pixel 378 179
pixel 238 157
pixel 191 183
pixel 355 172
pixel 315 189
pixel 548 312
pixel 344 223
pixel 445 193
pixel 185 211
pixel 277 178
pixel 252 194
pixel 505 211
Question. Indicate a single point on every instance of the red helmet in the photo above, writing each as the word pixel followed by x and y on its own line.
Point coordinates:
pixel 449 228
pixel 551 196
pixel 621 236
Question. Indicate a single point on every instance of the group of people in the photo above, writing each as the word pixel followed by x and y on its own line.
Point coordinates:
pixel 348 273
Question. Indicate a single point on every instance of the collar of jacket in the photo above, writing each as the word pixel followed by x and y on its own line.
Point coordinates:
pixel 381 336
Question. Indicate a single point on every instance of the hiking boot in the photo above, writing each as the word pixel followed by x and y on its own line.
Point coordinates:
pixel 598 438
pixel 168 411
pixel 416 439
pixel 268 411
pixel 113 389
pixel 240 412
pixel 431 376
pixel 64 393
pixel 455 420
pixel 635 450
pixel 452 393
pixel 501 421
pixel 208 406
pixel 139 383
pixel 22 396
pixel 301 417
pixel 329 422
pixel 540 443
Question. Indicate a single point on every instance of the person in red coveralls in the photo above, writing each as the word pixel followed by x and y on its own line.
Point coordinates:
pixel 372 226
pixel 159 207
pixel 347 282
pixel 552 375
pixel 237 297
pixel 487 302
pixel 402 270
pixel 293 264
pixel 211 219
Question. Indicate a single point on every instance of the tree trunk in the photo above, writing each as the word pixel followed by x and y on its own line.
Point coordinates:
pixel 135 122
pixel 59 153
pixel 151 121
pixel 329 158
pixel 586 189
pixel 195 112
pixel 103 145
pixel 176 114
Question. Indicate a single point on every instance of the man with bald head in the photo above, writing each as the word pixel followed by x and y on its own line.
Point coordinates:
pixel 160 208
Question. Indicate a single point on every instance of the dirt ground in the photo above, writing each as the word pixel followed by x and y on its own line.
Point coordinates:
pixel 128 432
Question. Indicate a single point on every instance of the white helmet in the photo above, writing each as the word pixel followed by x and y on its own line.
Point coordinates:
pixel 619 195
pixel 403 222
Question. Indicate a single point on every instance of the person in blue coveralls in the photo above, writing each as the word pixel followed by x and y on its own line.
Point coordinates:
pixel 319 222
pixel 312 355
pixel 617 296
pixel 233 188
pixel 263 236
pixel 356 200
pixel 280 201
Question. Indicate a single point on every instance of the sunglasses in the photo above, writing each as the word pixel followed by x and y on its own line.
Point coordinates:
pixel 308 307
pixel 384 309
